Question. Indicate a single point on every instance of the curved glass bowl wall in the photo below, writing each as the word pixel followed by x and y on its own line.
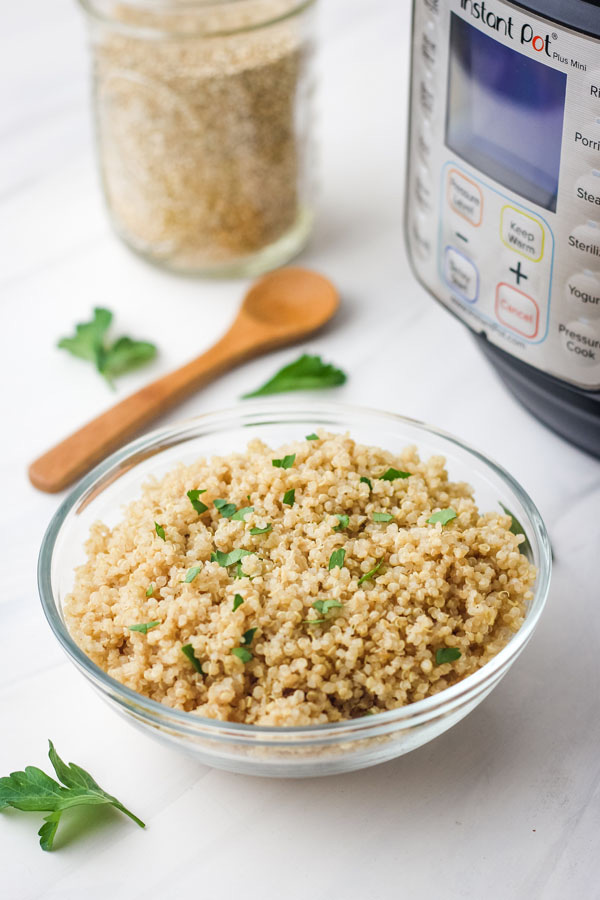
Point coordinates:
pixel 295 751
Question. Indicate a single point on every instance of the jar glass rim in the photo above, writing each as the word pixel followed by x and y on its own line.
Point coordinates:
pixel 97 12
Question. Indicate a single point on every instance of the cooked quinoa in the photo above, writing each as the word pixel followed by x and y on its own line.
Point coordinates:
pixel 462 585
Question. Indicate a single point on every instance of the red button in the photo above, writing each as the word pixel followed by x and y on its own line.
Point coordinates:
pixel 517 310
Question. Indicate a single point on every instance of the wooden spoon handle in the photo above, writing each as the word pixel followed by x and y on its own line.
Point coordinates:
pixel 74 456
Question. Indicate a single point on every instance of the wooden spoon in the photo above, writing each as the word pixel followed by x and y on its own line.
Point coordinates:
pixel 280 308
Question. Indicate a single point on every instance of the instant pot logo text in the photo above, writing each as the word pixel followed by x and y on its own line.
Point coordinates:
pixel 505 25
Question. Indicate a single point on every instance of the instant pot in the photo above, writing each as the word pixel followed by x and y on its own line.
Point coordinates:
pixel 503 191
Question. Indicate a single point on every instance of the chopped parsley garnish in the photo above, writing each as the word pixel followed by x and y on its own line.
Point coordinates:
pixel 149 590
pixel 517 528
pixel 198 505
pixel 241 513
pixel 160 531
pixel 391 474
pixel 312 437
pixel 286 463
pixel 191 574
pixel 230 511
pixel 226 509
pixel 248 636
pixel 313 621
pixel 323 606
pixel 443 516
pixel 188 651
pixel 368 575
pixel 239 573
pixel 33 790
pixel 308 373
pixel 382 517
pixel 365 480
pixel 289 498
pixel 242 653
pixel 229 559
pixel 343 522
pixel 144 628
pixel 264 530
pixel 337 559
pixel 447 655
pixel 237 601
pixel 111 359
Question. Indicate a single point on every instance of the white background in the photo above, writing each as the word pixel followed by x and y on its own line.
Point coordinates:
pixel 505 805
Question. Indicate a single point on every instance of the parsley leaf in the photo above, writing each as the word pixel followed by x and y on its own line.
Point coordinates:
pixel 229 559
pixel 188 651
pixel 125 355
pixel 343 522
pixel 248 636
pixel 382 517
pixel 241 513
pixel 198 505
pixel 237 601
pixel 308 373
pixel 226 509
pixel 312 437
pixel 323 606
pixel 88 340
pixel 34 790
pixel 517 528
pixel 286 463
pixel 368 575
pixel 191 574
pixel 239 573
pixel 144 628
pixel 337 559
pixel 89 343
pixel 242 654
pixel 365 480
pixel 264 530
pixel 442 515
pixel 149 590
pixel 289 498
pixel 391 474
pixel 447 655
pixel 160 531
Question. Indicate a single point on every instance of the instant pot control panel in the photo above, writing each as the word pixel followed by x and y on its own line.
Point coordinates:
pixel 503 190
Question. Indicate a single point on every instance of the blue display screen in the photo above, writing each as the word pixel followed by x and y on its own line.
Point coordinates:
pixel 505 113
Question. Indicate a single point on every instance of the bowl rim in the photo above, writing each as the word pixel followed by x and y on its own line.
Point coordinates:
pixel 251 413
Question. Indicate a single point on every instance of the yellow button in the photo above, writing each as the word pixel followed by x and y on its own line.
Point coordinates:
pixel 522 233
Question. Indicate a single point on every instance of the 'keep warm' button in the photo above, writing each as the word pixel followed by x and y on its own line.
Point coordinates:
pixel 522 233
pixel 461 274
pixel 517 310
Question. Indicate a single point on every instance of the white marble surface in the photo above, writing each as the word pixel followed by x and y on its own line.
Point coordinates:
pixel 505 805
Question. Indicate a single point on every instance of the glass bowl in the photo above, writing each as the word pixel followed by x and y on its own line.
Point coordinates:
pixel 283 751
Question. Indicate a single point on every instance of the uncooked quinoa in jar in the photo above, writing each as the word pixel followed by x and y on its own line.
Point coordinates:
pixel 203 122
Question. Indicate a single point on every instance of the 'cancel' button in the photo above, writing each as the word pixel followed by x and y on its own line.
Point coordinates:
pixel 581 341
pixel 517 310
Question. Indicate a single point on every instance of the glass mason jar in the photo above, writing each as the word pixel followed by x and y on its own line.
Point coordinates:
pixel 204 123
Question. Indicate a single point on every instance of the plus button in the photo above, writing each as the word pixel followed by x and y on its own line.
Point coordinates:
pixel 518 273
